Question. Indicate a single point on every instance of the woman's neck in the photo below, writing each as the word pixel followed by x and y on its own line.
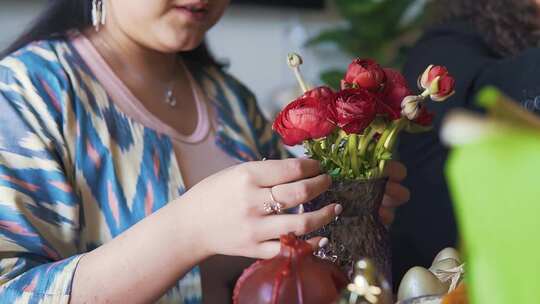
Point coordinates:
pixel 129 56
pixel 151 76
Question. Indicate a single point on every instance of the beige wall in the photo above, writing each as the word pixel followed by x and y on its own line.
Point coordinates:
pixel 15 15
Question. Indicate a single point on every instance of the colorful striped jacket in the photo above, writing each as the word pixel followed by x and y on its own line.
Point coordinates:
pixel 76 172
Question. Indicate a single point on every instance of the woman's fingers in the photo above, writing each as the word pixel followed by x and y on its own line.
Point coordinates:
pixel 387 215
pixel 293 194
pixel 318 242
pixel 396 171
pixel 273 226
pixel 395 195
pixel 267 250
pixel 274 172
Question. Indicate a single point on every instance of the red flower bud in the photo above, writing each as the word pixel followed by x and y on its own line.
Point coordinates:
pixel 445 88
pixel 354 110
pixel 306 117
pixel 437 71
pixel 395 90
pixel 438 82
pixel 364 73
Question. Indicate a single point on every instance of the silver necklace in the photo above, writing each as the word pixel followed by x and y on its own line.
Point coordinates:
pixel 170 99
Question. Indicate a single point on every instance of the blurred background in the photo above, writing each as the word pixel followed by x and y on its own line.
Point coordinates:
pixel 255 36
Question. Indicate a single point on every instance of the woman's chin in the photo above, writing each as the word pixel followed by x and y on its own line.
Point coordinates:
pixel 180 45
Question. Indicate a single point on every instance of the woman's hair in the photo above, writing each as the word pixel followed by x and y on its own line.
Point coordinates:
pixel 508 26
pixel 61 16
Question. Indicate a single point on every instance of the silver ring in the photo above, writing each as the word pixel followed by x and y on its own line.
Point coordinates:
pixel 273 207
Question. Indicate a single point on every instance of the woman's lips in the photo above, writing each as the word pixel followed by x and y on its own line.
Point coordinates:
pixel 195 13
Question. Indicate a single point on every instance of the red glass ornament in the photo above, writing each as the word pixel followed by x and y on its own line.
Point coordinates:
pixel 295 275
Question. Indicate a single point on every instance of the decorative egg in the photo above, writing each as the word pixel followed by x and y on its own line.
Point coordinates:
pixel 444 264
pixel 447 253
pixel 295 275
pixel 419 281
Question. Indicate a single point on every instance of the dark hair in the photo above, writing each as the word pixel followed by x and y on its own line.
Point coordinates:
pixel 507 26
pixel 61 16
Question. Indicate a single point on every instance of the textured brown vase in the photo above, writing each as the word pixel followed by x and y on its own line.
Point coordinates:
pixel 358 232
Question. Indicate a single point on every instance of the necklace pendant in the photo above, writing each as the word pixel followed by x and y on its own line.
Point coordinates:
pixel 170 99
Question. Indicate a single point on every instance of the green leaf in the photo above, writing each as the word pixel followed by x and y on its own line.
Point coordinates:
pixel 332 78
pixel 386 155
pixel 338 36
pixel 373 29
pixel 358 7
pixel 335 173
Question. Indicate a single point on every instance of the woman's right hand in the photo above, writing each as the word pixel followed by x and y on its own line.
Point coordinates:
pixel 230 209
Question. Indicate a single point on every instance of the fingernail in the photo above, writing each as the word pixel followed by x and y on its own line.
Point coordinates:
pixel 338 209
pixel 323 242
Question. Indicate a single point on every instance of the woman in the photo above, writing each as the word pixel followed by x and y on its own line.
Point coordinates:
pixel 482 42
pixel 120 148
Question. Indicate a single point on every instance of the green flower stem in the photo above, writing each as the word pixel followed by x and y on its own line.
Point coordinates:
pixel 353 153
pixel 382 140
pixel 337 142
pixel 338 139
pixel 323 145
pixel 365 140
pixel 392 137
pixel 319 149
pixel 387 141
pixel 335 154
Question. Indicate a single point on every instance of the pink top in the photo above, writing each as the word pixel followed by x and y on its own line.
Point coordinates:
pixel 197 154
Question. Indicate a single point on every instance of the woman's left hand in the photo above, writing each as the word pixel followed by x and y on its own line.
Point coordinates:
pixel 395 195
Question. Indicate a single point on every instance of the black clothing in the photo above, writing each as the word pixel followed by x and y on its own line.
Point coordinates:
pixel 426 224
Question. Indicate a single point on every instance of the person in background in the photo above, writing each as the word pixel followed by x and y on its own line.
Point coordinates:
pixel 481 42
pixel 128 156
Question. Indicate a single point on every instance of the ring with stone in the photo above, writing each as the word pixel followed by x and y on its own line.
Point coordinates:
pixel 273 207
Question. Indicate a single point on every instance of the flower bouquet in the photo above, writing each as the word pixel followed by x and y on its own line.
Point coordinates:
pixel 352 133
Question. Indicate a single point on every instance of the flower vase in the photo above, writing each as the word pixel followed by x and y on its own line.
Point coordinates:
pixel 358 232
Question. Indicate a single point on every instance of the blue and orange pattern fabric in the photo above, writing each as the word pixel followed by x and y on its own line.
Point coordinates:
pixel 75 172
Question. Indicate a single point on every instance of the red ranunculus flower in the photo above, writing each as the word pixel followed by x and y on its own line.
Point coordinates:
pixel 437 79
pixel 324 93
pixel 395 91
pixel 354 110
pixel 306 117
pixel 425 117
pixel 364 73
pixel 432 72
pixel 446 88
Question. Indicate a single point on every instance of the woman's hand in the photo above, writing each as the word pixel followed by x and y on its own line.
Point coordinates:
pixel 396 195
pixel 230 206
